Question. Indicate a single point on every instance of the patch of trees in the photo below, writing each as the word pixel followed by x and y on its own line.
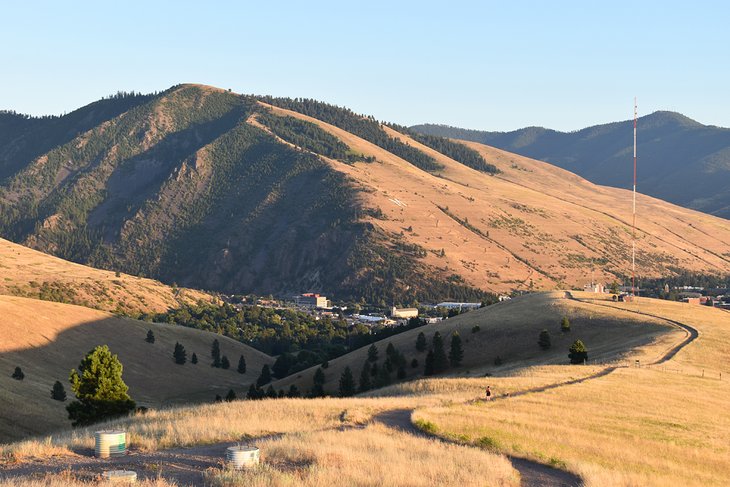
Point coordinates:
pixel 456 151
pixel 101 393
pixel 365 127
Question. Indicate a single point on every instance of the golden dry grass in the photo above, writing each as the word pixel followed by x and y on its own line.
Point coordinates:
pixel 48 339
pixel 658 425
pixel 69 479
pixel 23 271
pixel 536 223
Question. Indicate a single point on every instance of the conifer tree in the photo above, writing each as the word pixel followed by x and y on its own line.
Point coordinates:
pixel 440 360
pixel 456 352
pixel 194 359
pixel 544 340
pixel 271 393
pixel 390 350
pixel 225 364
pixel 218 398
pixel 565 324
pixel 253 392
pixel 347 383
pixel 401 372
pixel 365 382
pixel 18 374
pixel 578 353
pixel 373 353
pixel 414 363
pixel 241 365
pixel 179 354
pixel 428 369
pixel 293 391
pixel 58 392
pixel 264 377
pixel 231 396
pixel 421 342
pixel 100 391
pixel 318 383
pixel 215 353
pixel 150 337
pixel 383 378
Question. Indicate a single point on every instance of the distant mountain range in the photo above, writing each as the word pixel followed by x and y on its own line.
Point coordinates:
pixel 680 160
pixel 209 189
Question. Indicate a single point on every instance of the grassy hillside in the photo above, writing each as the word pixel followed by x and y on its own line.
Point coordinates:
pixel 680 160
pixel 48 339
pixel 33 274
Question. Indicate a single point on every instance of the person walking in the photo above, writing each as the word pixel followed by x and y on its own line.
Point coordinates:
pixel 488 393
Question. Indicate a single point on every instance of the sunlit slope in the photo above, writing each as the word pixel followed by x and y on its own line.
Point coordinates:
pixel 509 331
pixel 27 272
pixel 48 339
pixel 531 225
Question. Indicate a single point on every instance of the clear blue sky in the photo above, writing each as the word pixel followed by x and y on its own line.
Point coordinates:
pixel 484 65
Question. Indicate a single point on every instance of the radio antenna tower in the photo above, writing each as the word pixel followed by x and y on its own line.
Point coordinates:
pixel 633 226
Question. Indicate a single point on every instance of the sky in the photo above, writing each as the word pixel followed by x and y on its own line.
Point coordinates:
pixel 481 65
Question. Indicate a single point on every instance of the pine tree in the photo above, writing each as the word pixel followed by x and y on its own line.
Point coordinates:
pixel 440 360
pixel 374 370
pixel 194 359
pixel 179 354
pixel 293 391
pixel 318 383
pixel 373 353
pixel 18 374
pixel 100 391
pixel 253 392
pixel 578 352
pixel 421 342
pixel 218 398
pixel 225 364
pixel 150 337
pixel 414 363
pixel 365 382
pixel 390 350
pixel 241 365
pixel 544 340
pixel 383 378
pixel 565 324
pixel 265 376
pixel 456 353
pixel 401 372
pixel 271 393
pixel 215 353
pixel 347 383
pixel 428 369
pixel 58 392
pixel 231 396
pixel 281 366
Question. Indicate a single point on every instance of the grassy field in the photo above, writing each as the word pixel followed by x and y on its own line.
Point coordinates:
pixel 659 425
pixel 48 339
pixel 29 273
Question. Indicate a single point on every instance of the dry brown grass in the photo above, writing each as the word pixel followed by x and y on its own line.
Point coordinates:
pixel 637 426
pixel 23 271
pixel 70 479
pixel 48 339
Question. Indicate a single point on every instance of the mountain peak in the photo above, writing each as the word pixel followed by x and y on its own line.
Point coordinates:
pixel 665 117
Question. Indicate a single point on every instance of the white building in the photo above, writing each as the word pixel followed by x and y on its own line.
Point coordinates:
pixel 453 305
pixel 403 312
pixel 593 287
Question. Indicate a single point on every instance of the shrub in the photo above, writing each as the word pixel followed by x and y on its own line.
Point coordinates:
pixel 18 374
pixel 565 324
pixel 544 340
pixel 498 361
pixel 293 391
pixel 231 396
pixel 476 329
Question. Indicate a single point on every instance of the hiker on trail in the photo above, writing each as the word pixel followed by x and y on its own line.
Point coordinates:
pixel 488 393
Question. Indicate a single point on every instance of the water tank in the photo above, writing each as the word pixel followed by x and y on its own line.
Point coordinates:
pixel 120 476
pixel 110 443
pixel 242 456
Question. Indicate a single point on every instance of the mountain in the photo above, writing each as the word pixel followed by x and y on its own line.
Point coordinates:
pixel 214 190
pixel 46 340
pixel 679 160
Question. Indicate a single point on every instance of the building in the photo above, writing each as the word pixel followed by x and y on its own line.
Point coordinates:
pixel 403 312
pixel 594 287
pixel 312 300
pixel 452 305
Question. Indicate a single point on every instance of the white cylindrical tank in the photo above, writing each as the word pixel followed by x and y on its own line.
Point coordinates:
pixel 110 443
pixel 240 457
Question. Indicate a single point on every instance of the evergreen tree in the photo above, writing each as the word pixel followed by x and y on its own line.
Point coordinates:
pixel 365 383
pixel 265 376
pixel 544 340
pixel 225 364
pixel 390 350
pixel 218 398
pixel 231 396
pixel 401 372
pixel 271 393
pixel 440 360
pixel 281 366
pixel 578 352
pixel 241 365
pixel 58 392
pixel 179 354
pixel 388 364
pixel 421 342
pixel 374 370
pixel 383 378
pixel 215 353
pixel 565 324
pixel 428 369
pixel 414 363
pixel 150 337
pixel 194 359
pixel 373 353
pixel 318 383
pixel 456 352
pixel 18 374
pixel 347 383
pixel 253 392
pixel 293 391
pixel 100 391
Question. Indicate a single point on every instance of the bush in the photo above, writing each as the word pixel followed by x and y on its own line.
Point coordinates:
pixel 578 353
pixel 498 361
pixel 231 396
pixel 476 329
pixel 544 340
pixel 565 324
pixel 18 374
pixel 100 391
